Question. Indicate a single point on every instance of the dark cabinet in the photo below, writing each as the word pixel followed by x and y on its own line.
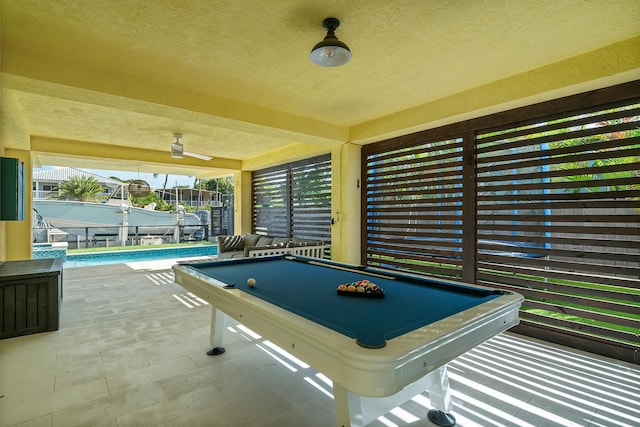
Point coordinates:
pixel 30 296
pixel 12 190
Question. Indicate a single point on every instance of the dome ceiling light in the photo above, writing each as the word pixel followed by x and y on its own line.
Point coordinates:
pixel 330 52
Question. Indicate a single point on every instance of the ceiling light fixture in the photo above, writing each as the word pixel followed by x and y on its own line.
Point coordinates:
pixel 177 150
pixel 330 52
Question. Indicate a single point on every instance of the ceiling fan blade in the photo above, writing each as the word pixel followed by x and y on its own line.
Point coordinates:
pixel 197 156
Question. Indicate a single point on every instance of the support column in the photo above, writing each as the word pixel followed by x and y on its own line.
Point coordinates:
pixel 18 240
pixel 242 203
pixel 345 200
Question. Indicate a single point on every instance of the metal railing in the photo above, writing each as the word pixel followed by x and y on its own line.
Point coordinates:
pixel 95 237
pixel 53 195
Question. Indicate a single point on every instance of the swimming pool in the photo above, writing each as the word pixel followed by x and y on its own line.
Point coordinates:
pixel 126 256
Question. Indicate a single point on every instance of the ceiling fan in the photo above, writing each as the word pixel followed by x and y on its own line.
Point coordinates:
pixel 177 150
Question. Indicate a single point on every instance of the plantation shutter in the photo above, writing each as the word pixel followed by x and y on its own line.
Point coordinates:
pixel 549 208
pixel 414 208
pixel 271 202
pixel 559 222
pixel 311 199
pixel 294 200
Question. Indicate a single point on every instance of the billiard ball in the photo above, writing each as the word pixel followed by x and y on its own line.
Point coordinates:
pixel 251 281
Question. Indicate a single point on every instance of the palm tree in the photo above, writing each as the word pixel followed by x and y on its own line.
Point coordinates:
pixel 164 186
pixel 80 188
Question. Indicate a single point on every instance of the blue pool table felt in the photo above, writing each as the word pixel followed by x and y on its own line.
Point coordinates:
pixel 309 290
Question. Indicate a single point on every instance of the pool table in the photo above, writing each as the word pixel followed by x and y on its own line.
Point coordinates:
pixel 379 351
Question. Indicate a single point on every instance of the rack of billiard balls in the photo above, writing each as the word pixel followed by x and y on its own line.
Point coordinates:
pixel 361 288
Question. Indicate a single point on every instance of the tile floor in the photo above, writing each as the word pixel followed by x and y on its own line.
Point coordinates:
pixel 131 352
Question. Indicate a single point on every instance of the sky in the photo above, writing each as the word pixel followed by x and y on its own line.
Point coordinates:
pixel 148 177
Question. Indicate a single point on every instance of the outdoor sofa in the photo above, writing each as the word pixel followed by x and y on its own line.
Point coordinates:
pixel 252 245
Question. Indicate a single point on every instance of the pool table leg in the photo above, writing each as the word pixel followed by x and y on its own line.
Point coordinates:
pixel 348 407
pixel 216 333
pixel 356 411
pixel 440 397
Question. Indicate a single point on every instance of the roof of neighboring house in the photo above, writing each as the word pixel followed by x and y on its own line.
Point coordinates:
pixel 63 174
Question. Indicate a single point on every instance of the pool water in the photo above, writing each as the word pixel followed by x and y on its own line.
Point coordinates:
pixel 126 256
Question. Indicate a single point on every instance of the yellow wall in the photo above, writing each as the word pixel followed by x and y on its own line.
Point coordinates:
pixel 345 204
pixel 613 64
pixel 242 203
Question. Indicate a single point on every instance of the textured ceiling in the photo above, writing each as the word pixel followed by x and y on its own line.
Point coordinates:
pixel 109 81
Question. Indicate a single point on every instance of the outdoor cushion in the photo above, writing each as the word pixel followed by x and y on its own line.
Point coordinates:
pixel 251 239
pixel 264 241
pixel 230 243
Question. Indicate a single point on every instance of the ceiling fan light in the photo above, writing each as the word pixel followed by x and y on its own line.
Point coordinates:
pixel 330 52
pixel 177 150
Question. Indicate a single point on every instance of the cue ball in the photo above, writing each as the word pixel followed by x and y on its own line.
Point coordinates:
pixel 251 281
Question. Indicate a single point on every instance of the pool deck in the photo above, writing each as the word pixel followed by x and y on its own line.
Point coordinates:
pixel 131 352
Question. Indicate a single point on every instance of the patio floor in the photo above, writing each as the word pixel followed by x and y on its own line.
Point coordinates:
pixel 131 352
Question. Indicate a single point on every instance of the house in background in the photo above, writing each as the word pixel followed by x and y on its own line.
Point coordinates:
pixel 46 182
pixel 190 196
